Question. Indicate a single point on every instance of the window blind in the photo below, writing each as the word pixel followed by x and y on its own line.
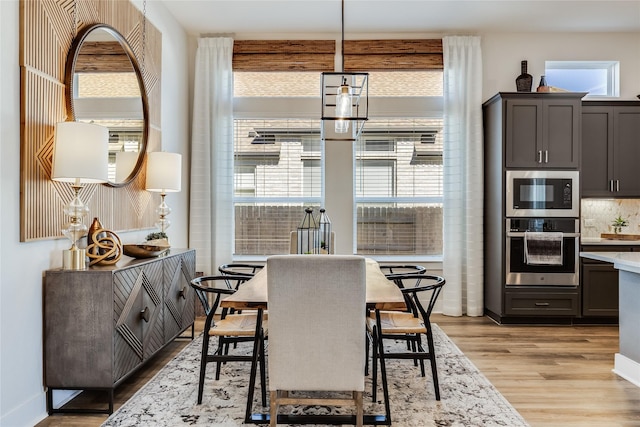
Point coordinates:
pixel 378 55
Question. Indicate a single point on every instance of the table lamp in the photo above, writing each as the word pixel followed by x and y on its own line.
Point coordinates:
pixel 80 156
pixel 164 173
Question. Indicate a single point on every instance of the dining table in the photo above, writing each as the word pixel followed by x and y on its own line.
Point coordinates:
pixel 381 294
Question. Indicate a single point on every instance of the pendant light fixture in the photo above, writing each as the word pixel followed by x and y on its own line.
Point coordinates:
pixel 345 101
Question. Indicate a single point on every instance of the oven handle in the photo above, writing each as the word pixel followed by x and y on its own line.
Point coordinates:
pixel 521 234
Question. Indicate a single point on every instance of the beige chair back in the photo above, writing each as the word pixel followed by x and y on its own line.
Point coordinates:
pixel 316 322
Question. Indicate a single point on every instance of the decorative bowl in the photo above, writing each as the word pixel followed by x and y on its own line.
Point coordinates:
pixel 144 251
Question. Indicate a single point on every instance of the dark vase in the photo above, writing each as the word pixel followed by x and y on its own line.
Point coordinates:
pixel 524 81
pixel 543 84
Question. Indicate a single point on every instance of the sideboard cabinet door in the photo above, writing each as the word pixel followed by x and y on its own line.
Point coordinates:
pixel 179 296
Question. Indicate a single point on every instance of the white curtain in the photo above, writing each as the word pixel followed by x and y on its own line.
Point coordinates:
pixel 463 177
pixel 210 217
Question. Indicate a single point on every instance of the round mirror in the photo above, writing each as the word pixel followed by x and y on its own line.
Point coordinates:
pixel 105 87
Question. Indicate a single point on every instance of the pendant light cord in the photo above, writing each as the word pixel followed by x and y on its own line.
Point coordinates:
pixel 342 46
pixel 144 34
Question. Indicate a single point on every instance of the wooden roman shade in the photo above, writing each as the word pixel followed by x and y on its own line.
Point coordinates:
pixel 284 55
pixel 386 55
pixel 103 57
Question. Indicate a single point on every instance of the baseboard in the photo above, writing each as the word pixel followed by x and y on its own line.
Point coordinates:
pixel 33 410
pixel 627 369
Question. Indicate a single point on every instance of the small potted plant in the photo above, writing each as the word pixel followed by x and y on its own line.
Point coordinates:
pixel 158 239
pixel 618 223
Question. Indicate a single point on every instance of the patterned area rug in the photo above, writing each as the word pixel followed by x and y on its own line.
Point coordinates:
pixel 467 398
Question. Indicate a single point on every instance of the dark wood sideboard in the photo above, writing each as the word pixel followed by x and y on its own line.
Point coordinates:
pixel 103 323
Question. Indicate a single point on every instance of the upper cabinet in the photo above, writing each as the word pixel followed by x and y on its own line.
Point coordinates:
pixel 542 130
pixel 610 149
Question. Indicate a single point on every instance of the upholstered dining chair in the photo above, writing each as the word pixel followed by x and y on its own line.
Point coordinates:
pixel 229 329
pixel 409 326
pixel 317 306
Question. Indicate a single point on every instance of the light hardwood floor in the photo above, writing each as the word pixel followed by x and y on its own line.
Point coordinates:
pixel 553 375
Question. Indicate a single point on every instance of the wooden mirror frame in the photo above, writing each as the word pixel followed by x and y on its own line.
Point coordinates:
pixel 70 67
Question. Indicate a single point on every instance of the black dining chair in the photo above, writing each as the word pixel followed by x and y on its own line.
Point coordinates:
pixel 408 326
pixel 229 329
pixel 238 269
pixel 394 270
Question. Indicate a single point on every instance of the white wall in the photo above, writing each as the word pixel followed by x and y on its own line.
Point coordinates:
pixel 22 394
pixel 502 53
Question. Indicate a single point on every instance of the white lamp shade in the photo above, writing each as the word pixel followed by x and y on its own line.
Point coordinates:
pixel 125 163
pixel 80 153
pixel 164 172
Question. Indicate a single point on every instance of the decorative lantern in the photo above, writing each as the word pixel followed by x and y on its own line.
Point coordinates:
pixel 324 226
pixel 308 234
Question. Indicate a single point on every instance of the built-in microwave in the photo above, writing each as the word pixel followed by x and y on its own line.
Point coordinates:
pixel 542 193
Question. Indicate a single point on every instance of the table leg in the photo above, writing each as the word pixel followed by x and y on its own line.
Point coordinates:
pixel 254 365
pixel 383 369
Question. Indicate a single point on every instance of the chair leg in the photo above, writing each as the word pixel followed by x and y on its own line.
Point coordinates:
pixel 359 408
pixel 219 351
pixel 432 357
pixel 412 348
pixel 419 349
pixel 203 365
pixel 374 364
pixel 273 408
pixel 263 376
pixel 367 341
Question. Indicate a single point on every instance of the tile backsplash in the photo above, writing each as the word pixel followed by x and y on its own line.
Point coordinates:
pixel 598 214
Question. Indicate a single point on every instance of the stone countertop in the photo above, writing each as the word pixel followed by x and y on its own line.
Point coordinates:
pixel 627 261
pixel 601 241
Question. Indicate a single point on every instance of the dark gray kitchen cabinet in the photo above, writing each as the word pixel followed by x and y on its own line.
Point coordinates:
pixel 525 131
pixel 610 149
pixel 103 323
pixel 542 130
pixel 541 302
pixel 599 282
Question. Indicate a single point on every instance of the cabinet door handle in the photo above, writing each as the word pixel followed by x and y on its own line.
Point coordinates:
pixel 546 156
pixel 144 314
pixel 542 304
pixel 617 185
pixel 611 185
pixel 539 156
pixel 182 293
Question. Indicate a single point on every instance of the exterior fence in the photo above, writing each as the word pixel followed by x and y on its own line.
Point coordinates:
pixel 265 229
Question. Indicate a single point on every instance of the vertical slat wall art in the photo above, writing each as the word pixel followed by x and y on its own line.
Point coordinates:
pixel 46 34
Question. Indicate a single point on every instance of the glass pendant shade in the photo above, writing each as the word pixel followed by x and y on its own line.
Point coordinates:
pixel 343 108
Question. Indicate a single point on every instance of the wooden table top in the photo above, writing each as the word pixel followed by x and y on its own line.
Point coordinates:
pixel 381 293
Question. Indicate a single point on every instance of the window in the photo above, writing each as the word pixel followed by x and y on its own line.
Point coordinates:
pixel 279 163
pixel 277 173
pixel 399 187
pixel 598 78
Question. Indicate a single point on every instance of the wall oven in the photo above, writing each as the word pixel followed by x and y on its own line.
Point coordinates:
pixel 544 194
pixel 557 261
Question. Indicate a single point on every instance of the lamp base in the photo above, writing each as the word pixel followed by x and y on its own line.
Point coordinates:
pixel 74 259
